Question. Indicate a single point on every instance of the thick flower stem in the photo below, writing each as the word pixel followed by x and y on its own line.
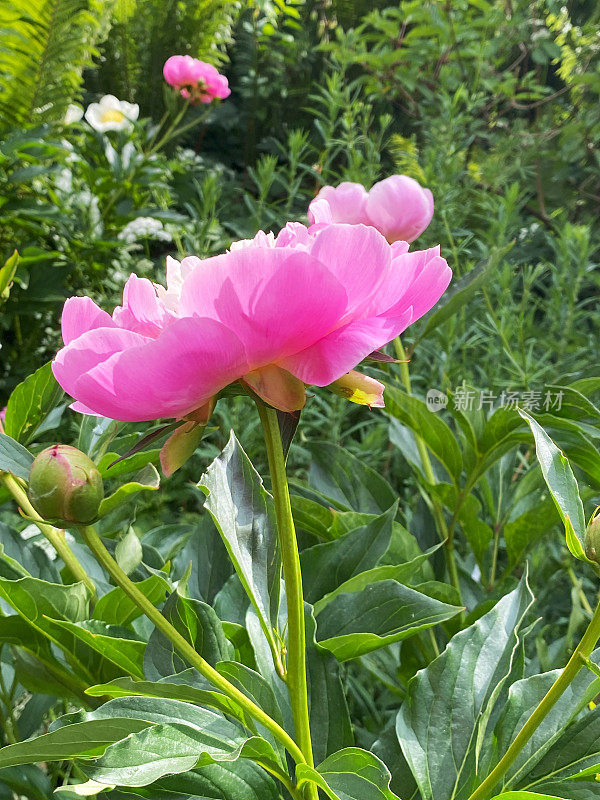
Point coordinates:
pixel 55 536
pixel 296 647
pixel 436 508
pixel 181 644
pixel 566 677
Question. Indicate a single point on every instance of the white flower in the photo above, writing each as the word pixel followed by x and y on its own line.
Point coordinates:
pixel 64 181
pixel 144 228
pixel 73 114
pixel 111 114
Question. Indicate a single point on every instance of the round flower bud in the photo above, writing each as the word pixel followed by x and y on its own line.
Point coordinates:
pixel 592 537
pixel 65 485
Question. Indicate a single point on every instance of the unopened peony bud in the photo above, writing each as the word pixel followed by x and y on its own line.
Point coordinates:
pixel 65 485
pixel 592 537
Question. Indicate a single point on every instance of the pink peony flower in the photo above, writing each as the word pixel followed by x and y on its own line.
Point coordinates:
pixel 398 207
pixel 196 80
pixel 275 314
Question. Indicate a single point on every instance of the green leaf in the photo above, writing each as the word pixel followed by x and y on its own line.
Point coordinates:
pixel 34 600
pixel 30 403
pixel 117 608
pixel 350 774
pixel 244 514
pixel 199 624
pixel 87 739
pixel 407 573
pixel 39 669
pixel 446 712
pixel 577 749
pixel 523 697
pixel 125 653
pixel 356 623
pixel 14 458
pixel 346 482
pixel 325 566
pixel 7 273
pixel 128 552
pixel 112 465
pixel 521 795
pixel 330 725
pixel 147 480
pixel 180 738
pixel 210 564
pixel 414 414
pixel 186 686
pixel 560 480
pixel 258 689
pixel 237 780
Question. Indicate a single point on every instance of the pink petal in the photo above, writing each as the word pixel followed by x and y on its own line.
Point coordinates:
pixel 141 311
pixel 80 314
pixel 87 351
pixel 342 350
pixel 170 376
pixel 399 207
pixel 346 201
pixel 425 276
pixel 360 259
pixel 319 212
pixel 278 301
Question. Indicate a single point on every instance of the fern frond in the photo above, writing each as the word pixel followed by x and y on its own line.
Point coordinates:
pixel 44 47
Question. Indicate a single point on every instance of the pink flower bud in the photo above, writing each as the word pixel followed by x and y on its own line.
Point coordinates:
pixel 398 207
pixel 65 485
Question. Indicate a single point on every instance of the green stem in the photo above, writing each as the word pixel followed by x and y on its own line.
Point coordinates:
pixel 566 677
pixel 55 536
pixel 290 558
pixel 181 644
pixel 436 507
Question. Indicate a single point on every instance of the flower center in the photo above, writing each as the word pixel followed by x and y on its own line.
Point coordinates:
pixel 112 115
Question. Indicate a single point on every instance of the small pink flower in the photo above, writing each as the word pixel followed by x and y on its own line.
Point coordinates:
pixel 276 314
pixel 195 80
pixel 399 207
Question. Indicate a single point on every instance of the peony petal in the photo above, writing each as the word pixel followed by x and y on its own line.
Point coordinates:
pixel 399 207
pixel 278 301
pixel 342 350
pixel 359 257
pixel 346 202
pixel 89 350
pixel 80 314
pixel 171 376
pixel 141 311
pixel 429 278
